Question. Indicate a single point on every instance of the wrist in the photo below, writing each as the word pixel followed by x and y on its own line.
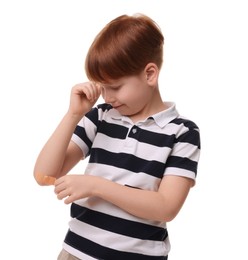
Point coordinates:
pixel 99 184
pixel 73 118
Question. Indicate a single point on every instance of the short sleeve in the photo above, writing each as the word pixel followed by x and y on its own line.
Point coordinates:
pixel 85 131
pixel 184 157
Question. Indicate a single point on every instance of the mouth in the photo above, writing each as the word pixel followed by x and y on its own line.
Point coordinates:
pixel 116 107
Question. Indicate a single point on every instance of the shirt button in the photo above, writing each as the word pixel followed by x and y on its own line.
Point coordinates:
pixel 134 130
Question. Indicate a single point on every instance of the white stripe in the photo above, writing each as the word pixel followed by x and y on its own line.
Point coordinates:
pixel 129 145
pixel 89 126
pixel 187 150
pixel 180 172
pixel 80 144
pixel 122 176
pixel 117 241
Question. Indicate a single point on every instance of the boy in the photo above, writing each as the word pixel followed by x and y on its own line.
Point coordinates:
pixel 142 155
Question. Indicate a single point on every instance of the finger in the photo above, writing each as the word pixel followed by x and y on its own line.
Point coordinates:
pixel 63 194
pixel 89 91
pixel 68 200
pixel 59 188
pixel 95 91
pixel 98 90
pixel 59 181
pixel 82 90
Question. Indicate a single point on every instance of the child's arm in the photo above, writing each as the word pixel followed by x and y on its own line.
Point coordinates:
pixel 59 154
pixel 162 205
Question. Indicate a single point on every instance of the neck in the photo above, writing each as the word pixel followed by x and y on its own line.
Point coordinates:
pixel 154 106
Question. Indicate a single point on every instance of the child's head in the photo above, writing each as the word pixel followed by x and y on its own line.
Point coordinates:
pixel 123 48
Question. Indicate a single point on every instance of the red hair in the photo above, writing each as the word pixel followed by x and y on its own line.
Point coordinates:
pixel 123 48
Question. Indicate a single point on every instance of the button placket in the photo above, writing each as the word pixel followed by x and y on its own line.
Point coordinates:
pixel 131 141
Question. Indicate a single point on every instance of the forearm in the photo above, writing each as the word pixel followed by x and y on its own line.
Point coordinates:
pixel 51 157
pixel 140 203
pixel 162 205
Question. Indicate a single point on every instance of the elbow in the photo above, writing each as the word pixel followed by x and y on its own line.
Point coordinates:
pixel 168 216
pixel 44 180
pixel 39 179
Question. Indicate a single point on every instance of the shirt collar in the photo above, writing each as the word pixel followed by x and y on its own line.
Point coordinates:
pixel 164 117
pixel 161 119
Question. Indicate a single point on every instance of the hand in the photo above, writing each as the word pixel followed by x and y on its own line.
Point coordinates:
pixel 83 98
pixel 74 187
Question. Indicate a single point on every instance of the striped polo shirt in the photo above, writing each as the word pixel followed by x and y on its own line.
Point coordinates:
pixel 138 156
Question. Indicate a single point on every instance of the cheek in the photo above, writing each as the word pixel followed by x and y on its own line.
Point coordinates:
pixel 136 101
pixel 127 97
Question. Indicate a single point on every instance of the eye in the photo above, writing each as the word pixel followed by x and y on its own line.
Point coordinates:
pixel 115 87
pixel 111 87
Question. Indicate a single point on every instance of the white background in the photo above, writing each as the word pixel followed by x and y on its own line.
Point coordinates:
pixel 42 50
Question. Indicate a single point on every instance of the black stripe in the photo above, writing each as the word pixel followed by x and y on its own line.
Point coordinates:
pixel 156 139
pixel 104 253
pixel 113 130
pixel 80 132
pixel 92 115
pixel 182 162
pixel 191 137
pixel 187 123
pixel 104 107
pixel 128 162
pixel 118 225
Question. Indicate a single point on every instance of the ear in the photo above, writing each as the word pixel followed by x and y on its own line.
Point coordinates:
pixel 151 73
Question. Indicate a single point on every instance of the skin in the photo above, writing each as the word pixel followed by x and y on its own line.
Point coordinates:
pixel 59 154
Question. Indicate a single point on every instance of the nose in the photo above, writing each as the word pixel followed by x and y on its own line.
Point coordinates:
pixel 107 96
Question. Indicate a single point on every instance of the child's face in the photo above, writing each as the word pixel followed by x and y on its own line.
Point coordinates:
pixel 129 95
